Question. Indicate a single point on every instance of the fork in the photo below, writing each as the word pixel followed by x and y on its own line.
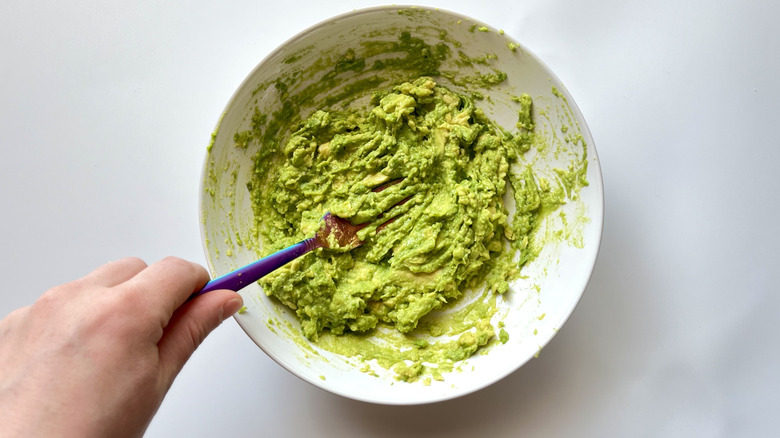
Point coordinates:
pixel 333 230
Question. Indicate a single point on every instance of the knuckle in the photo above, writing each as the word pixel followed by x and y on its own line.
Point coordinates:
pixel 13 318
pixel 54 295
pixel 177 263
pixel 174 259
pixel 182 268
pixel 132 262
pixel 18 313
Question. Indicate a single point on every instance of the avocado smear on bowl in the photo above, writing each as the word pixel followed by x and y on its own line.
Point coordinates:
pixel 453 234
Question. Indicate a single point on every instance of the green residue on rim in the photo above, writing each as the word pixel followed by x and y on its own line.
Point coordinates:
pixel 413 11
pixel 465 60
pixel 213 139
pixel 214 135
pixel 503 336
pixel 298 55
pixel 525 119
pixel 419 57
pixel 488 80
pixel 347 62
pixel 354 89
pixel 241 139
pixel 557 93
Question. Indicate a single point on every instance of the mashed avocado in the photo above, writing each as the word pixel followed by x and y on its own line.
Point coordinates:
pixel 452 233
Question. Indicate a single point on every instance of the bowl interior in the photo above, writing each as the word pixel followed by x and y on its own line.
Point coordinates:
pixel 537 305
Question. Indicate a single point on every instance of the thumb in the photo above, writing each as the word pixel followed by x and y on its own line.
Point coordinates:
pixel 190 325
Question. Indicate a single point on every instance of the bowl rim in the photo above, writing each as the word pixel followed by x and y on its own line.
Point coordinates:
pixel 596 217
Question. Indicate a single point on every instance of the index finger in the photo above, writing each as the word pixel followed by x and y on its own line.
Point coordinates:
pixel 167 284
pixel 114 273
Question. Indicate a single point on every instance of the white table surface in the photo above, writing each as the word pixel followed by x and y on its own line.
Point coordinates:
pixel 106 109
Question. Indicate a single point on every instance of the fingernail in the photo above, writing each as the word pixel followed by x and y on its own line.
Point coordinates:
pixel 231 307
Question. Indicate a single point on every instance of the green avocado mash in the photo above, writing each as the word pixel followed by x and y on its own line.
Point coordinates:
pixel 451 234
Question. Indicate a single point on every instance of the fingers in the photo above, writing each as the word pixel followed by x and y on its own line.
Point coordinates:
pixel 115 273
pixel 11 320
pixel 166 285
pixel 190 325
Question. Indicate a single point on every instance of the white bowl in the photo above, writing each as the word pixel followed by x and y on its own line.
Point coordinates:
pixel 536 306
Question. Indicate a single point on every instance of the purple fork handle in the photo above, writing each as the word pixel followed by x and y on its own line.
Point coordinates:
pixel 254 271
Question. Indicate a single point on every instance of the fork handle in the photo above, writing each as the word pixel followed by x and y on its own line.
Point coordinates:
pixel 254 271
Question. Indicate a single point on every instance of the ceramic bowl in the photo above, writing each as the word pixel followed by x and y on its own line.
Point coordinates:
pixel 537 305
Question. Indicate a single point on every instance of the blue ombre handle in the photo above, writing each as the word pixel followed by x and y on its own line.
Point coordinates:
pixel 240 278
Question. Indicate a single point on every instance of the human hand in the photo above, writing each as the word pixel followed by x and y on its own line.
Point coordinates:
pixel 95 357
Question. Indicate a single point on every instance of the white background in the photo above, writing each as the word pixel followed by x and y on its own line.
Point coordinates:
pixel 106 109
